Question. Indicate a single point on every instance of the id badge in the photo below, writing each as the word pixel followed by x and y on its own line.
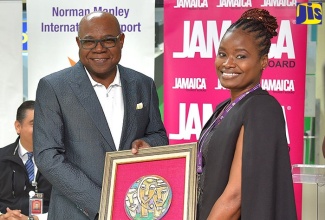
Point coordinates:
pixel 35 203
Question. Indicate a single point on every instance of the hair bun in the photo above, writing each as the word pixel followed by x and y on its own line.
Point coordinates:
pixel 264 17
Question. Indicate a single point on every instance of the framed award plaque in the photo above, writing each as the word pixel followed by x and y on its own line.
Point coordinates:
pixel 156 183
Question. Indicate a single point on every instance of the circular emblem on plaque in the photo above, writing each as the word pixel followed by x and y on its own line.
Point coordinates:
pixel 149 197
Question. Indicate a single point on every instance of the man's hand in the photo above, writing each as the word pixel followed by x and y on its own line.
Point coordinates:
pixel 13 215
pixel 138 144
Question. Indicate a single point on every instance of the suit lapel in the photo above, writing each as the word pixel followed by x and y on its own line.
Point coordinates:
pixel 130 102
pixel 86 94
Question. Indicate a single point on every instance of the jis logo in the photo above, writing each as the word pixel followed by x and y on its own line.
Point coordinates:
pixel 309 13
pixel 24 36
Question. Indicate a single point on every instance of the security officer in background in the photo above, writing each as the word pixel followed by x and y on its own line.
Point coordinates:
pixel 19 175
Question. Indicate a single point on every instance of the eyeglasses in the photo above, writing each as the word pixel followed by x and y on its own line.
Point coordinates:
pixel 108 42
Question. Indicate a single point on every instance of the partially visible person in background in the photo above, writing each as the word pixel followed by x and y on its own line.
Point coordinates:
pixel 244 166
pixel 18 172
pixel 84 111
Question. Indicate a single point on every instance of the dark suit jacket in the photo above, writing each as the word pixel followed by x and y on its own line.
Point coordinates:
pixel 14 182
pixel 71 135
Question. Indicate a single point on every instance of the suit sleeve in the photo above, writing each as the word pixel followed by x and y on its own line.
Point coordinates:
pixel 50 153
pixel 155 133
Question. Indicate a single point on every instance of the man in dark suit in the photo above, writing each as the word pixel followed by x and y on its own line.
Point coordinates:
pixel 15 184
pixel 86 110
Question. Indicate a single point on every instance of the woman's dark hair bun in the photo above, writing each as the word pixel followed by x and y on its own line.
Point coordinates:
pixel 264 17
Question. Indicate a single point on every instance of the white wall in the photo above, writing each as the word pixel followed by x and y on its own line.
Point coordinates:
pixel 11 68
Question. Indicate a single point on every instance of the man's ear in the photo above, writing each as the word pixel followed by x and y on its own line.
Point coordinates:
pixel 17 127
pixel 121 39
pixel 78 41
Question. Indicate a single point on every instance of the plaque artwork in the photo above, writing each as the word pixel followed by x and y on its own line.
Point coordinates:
pixel 157 183
pixel 149 197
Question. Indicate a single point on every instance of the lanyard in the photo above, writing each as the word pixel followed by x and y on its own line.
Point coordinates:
pixel 219 118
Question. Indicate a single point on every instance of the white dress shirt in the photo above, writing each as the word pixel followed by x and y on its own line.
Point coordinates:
pixel 111 100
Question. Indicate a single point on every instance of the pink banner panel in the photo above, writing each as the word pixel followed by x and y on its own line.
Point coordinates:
pixel 192 32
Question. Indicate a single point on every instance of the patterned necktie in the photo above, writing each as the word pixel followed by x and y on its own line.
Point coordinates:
pixel 30 166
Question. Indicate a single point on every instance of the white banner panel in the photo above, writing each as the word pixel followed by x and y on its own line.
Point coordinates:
pixel 53 26
pixel 11 68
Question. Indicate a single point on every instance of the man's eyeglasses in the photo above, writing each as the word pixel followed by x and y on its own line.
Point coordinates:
pixel 107 42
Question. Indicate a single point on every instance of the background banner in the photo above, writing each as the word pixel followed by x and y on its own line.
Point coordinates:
pixel 53 26
pixel 193 30
pixel 11 67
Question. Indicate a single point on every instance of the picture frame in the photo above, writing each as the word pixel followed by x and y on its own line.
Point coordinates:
pixel 157 181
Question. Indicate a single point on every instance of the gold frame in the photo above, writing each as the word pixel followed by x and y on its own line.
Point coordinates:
pixel 187 151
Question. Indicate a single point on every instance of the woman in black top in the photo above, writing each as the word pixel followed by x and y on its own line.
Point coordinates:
pixel 243 161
